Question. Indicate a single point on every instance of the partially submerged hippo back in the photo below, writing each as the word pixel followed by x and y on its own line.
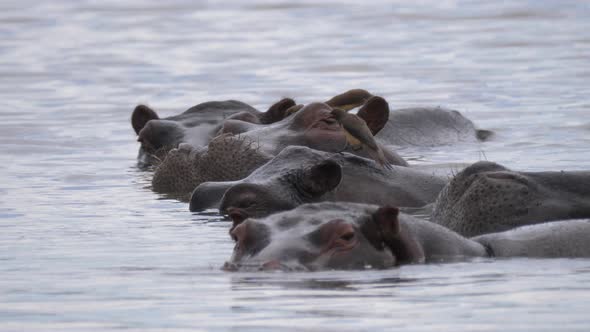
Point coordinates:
pixel 342 236
pixel 429 126
pixel 486 197
pixel 196 126
pixel 549 240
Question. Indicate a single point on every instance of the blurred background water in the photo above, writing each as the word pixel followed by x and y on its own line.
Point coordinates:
pixel 85 245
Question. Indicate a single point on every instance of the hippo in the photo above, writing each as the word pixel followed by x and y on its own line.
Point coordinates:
pixel 487 197
pixel 300 175
pixel 199 124
pixel 347 236
pixel 311 126
pixel 314 126
pixel 405 127
pixel 196 126
pixel 225 158
pixel 429 126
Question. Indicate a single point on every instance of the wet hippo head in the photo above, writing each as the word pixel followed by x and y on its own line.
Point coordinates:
pixel 314 126
pixel 196 126
pixel 301 175
pixel 297 175
pixel 486 197
pixel 322 236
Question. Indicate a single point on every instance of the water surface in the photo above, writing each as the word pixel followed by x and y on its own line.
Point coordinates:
pixel 85 245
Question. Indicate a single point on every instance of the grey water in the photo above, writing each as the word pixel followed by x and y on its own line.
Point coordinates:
pixel 85 245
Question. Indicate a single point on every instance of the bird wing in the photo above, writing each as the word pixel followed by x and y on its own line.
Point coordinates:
pixel 357 128
pixel 353 141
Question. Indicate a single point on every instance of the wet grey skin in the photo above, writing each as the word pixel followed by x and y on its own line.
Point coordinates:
pixel 430 126
pixel 486 197
pixel 342 236
pixel 196 126
pixel 301 175
pixel 348 236
pixel 178 173
pixel 315 127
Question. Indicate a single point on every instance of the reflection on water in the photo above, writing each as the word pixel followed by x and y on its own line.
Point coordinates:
pixel 86 245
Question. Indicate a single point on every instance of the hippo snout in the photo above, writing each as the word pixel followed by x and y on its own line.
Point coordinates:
pixel 208 195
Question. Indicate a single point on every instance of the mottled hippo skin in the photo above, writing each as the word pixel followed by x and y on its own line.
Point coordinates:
pixel 226 158
pixel 196 126
pixel 487 197
pixel 311 126
pixel 301 175
pixel 358 236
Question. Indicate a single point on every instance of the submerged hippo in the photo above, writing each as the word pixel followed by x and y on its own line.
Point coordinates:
pixel 414 126
pixel 196 126
pixel 429 126
pixel 358 236
pixel 300 175
pixel 314 126
pixel 486 197
pixel 200 123
pixel 311 126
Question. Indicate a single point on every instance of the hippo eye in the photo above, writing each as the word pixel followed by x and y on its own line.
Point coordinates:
pixel 246 203
pixel 348 236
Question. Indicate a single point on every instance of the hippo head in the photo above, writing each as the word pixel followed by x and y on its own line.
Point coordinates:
pixel 301 175
pixel 196 126
pixel 486 197
pixel 315 127
pixel 297 175
pixel 321 236
pixel 157 138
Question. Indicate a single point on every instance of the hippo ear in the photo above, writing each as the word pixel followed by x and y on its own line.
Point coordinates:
pixel 386 218
pixel 400 241
pixel 235 127
pixel 375 112
pixel 293 109
pixel 349 99
pixel 141 115
pixel 322 178
pixel 277 111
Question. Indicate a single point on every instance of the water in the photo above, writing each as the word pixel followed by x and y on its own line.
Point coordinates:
pixel 85 245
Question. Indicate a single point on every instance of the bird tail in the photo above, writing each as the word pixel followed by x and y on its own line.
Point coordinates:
pixel 379 157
